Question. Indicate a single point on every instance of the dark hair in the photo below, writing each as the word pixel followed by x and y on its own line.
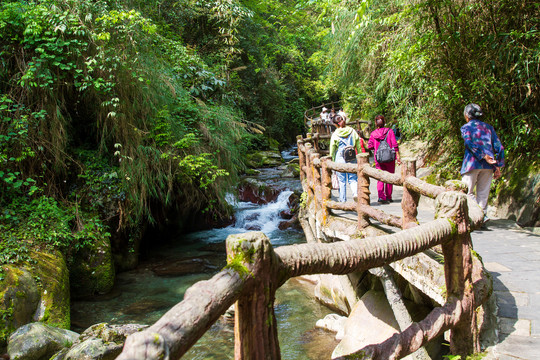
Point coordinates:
pixel 379 121
pixel 473 111
pixel 337 119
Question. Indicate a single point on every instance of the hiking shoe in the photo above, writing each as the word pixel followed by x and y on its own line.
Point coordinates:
pixel 381 201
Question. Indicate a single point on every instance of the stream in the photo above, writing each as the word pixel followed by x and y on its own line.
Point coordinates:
pixel 144 294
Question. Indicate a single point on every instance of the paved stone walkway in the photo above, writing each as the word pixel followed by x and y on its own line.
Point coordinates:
pixel 512 256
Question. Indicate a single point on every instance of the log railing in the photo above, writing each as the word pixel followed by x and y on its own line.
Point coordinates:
pixel 255 270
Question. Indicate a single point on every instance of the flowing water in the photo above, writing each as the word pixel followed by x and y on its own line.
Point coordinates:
pixel 143 295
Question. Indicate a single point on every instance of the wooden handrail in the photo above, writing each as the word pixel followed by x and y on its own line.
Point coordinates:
pixel 255 270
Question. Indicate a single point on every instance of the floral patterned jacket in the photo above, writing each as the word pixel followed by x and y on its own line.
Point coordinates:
pixel 480 140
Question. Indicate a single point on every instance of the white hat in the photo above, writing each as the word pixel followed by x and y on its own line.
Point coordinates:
pixel 324 109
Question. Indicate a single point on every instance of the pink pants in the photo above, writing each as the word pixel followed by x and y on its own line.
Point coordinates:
pixel 383 189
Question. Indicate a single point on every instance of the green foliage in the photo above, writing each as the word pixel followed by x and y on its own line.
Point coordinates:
pixel 44 223
pixel 115 113
pixel 421 62
pixel 13 251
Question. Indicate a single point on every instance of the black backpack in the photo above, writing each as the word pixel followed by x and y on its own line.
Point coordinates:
pixel 385 153
pixel 349 153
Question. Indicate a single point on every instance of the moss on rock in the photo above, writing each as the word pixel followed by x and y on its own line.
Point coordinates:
pixel 37 291
pixel 264 159
pixel 92 269
pixel 54 308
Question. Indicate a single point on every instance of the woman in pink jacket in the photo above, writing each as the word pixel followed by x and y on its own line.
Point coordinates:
pixel 378 135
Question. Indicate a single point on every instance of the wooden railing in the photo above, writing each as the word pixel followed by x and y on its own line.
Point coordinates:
pixel 255 270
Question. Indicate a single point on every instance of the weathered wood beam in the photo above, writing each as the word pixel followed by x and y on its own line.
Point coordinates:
pixel 361 254
pixel 363 190
pixel 342 167
pixel 415 336
pixel 395 299
pixel 176 331
pixel 409 202
pixel 379 215
pixel 422 187
pixel 458 269
pixel 255 326
pixel 384 176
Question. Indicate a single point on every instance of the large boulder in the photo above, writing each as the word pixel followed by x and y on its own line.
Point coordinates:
pixel 337 292
pixel 91 269
pixel 518 198
pixel 370 322
pixel 35 292
pixel 19 299
pixel 39 341
pixel 256 191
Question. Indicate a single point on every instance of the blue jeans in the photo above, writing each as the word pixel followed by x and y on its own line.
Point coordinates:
pixel 345 178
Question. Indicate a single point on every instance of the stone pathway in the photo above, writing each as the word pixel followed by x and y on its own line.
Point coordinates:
pixel 512 256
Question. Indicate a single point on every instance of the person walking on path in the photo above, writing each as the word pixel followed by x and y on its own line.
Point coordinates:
pixel 484 156
pixel 342 137
pixel 384 190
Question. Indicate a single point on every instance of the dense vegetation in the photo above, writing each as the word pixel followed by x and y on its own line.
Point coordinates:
pixel 116 114
pixel 120 113
pixel 421 61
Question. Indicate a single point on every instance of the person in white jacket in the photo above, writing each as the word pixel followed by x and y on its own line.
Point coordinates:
pixel 342 137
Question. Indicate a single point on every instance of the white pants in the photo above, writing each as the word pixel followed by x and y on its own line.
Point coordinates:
pixel 481 178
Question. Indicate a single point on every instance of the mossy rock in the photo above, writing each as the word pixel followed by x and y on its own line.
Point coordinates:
pixel 92 269
pixel 35 292
pixel 292 170
pixel 55 297
pixel 262 159
pixel 516 195
pixel 19 299
pixel 39 341
pixel 273 144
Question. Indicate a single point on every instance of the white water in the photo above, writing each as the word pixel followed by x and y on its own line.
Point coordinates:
pixel 253 217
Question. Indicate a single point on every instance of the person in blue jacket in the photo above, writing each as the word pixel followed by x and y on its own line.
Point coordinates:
pixel 484 156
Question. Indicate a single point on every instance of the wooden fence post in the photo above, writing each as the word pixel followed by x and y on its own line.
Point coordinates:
pixel 316 142
pixel 316 180
pixel 409 203
pixel 301 160
pixel 363 189
pixel 255 326
pixel 326 186
pixel 458 265
pixel 309 173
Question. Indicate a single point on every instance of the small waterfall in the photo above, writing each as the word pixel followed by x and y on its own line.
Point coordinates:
pixel 254 217
pixel 263 218
pixel 290 153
